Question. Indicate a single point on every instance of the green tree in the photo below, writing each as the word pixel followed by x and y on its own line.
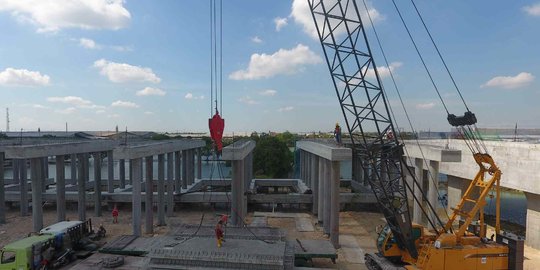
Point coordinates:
pixel 272 158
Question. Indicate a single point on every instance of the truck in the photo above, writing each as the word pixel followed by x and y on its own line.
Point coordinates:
pixel 53 247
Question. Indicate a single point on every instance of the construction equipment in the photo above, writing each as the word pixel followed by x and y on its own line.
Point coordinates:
pixel 403 244
pixel 52 248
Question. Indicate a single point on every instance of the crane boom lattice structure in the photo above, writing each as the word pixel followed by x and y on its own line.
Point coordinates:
pixel 365 109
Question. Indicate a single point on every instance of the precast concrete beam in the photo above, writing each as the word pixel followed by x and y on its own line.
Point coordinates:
pixel 110 171
pixel 163 147
pixel 97 184
pixel 60 188
pixel 136 195
pixel 161 190
pixel 431 152
pixel 36 176
pixel 54 149
pixel 320 196
pixel 170 184
pixel 334 203
pixel 149 196
pixel 330 152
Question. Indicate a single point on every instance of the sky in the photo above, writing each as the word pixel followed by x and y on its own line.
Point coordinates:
pixel 145 65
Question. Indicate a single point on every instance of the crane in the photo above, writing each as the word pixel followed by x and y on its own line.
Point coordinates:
pixel 403 244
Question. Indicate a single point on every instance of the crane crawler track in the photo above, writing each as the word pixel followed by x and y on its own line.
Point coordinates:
pixel 376 262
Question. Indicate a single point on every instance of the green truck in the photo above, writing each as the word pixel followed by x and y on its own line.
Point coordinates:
pixel 53 247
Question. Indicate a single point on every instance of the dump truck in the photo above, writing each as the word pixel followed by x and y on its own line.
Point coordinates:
pixel 53 247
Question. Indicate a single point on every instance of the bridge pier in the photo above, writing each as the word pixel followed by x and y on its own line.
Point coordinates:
pixel 60 188
pixel 419 173
pixel 149 195
pixel 170 184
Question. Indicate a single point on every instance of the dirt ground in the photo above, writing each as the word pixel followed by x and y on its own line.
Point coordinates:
pixel 357 230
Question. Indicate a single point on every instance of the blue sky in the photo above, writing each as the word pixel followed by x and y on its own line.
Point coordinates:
pixel 145 65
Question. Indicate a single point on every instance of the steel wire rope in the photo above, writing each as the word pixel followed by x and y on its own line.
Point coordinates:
pixel 421 57
pixel 440 55
pixel 439 198
pixel 221 57
pixel 211 63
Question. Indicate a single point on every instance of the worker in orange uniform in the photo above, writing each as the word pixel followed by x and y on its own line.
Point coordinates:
pixel 337 133
pixel 219 233
pixel 115 214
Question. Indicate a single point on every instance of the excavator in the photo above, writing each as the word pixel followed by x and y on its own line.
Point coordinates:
pixel 458 243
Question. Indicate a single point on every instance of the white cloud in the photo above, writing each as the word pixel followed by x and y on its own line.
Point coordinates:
pixel 150 91
pixel 281 62
pixel 268 92
pixel 74 101
pixel 114 115
pixel 533 9
pixel 149 113
pixel 124 104
pixel 425 106
pixel 100 111
pixel 302 15
pixel 122 48
pixel 69 110
pixel 286 109
pixel 280 23
pixel 248 100
pixel 121 72
pixel 23 77
pixel 384 71
pixel 510 82
pixel 53 15
pixel 191 96
pixel 88 44
pixel 39 106
pixel 256 39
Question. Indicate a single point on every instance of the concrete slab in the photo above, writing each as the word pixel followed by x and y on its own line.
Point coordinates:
pixel 205 231
pixel 238 150
pixel 308 249
pixel 351 250
pixel 304 224
pixel 130 262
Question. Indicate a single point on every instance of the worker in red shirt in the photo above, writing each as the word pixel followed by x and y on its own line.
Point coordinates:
pixel 219 233
pixel 115 214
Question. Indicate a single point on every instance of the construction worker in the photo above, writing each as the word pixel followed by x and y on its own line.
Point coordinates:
pixel 337 133
pixel 115 214
pixel 219 233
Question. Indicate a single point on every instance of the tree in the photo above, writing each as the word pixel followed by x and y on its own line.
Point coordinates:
pixel 272 158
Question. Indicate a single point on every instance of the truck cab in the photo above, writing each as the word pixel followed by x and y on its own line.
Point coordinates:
pixel 25 253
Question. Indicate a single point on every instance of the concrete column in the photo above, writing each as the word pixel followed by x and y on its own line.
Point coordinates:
pixel 136 165
pixel 327 196
pixel 184 169
pixel 301 164
pixel 81 185
pixel 320 196
pixel 36 176
pixel 122 172
pixel 60 189
pixel 419 173
pixel 149 196
pixel 315 184
pixel 44 165
pixel 2 191
pixel 97 184
pixel 237 194
pixel 110 172
pixel 533 220
pixel 23 182
pixel 455 185
pixel 334 207
pixel 433 193
pixel 73 164
pixel 309 159
pixel 191 166
pixel 366 171
pixel 131 172
pixel 177 172
pixel 199 163
pixel 170 184
pixel 161 190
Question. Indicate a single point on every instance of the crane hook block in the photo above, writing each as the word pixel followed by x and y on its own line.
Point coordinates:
pixel 467 119
pixel 217 124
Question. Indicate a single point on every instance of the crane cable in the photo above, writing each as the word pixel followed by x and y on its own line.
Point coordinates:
pixel 439 197
pixel 216 57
